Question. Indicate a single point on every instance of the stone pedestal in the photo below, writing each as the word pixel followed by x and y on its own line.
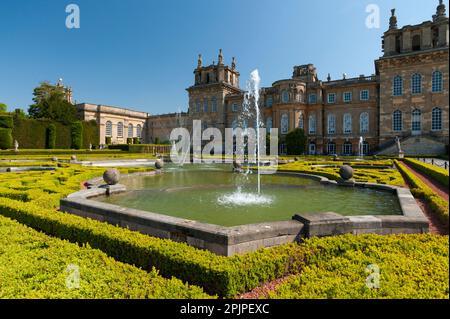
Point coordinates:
pixel 324 224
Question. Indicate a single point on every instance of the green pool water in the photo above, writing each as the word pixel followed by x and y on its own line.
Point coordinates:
pixel 207 193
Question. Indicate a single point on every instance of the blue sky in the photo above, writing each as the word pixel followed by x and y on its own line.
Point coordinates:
pixel 141 53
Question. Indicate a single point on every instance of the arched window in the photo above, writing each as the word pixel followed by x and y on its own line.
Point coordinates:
pixel 416 43
pixel 312 124
pixel 364 122
pixel 416 83
pixel 436 81
pixel 416 120
pixel 347 123
pixel 120 129
pixel 139 130
pixel 284 123
pixel 108 129
pixel 285 96
pixel 301 121
pixel 397 121
pixel 331 124
pixel 214 104
pixel 130 130
pixel 300 96
pixel 397 86
pixel 269 124
pixel 436 119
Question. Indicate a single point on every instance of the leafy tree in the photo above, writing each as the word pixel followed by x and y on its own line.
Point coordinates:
pixel 296 142
pixel 3 107
pixel 19 114
pixel 50 103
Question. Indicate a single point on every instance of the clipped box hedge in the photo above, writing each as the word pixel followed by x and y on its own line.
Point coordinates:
pixel 34 265
pixel 6 139
pixel 6 121
pixel 224 276
pixel 419 189
pixel 371 267
pixel 437 173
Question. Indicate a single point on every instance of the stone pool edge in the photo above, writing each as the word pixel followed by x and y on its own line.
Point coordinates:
pixel 228 241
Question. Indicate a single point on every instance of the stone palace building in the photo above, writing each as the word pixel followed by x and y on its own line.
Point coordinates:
pixel 406 98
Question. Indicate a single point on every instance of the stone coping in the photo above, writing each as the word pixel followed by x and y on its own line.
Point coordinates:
pixel 245 238
pixel 27 168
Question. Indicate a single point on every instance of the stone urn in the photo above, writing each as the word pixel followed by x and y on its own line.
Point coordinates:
pixel 54 159
pixel 346 172
pixel 111 176
pixel 237 164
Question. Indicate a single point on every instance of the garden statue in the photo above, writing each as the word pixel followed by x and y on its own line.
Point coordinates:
pixel 90 146
pixel 16 146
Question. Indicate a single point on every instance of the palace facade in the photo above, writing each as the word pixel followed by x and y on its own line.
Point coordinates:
pixel 406 98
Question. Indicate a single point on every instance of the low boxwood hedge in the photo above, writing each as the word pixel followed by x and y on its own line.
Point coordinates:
pixel 34 265
pixel 216 274
pixel 437 173
pixel 419 189
pixel 372 266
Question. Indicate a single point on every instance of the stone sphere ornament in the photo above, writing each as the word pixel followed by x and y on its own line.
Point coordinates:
pixel 73 157
pixel 111 176
pixel 346 172
pixel 159 164
pixel 54 159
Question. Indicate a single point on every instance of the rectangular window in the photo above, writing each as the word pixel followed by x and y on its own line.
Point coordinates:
pixel 364 95
pixel 234 107
pixel 347 97
pixel 331 148
pixel 331 98
pixel 312 98
pixel 347 149
pixel 269 101
pixel 205 106
pixel 214 105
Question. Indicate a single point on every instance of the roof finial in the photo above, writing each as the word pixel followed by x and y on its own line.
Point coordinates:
pixel 393 20
pixel 220 57
pixel 199 61
pixel 233 63
pixel 440 10
pixel 329 77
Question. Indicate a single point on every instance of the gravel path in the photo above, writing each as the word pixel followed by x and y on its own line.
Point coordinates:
pixel 436 225
pixel 438 188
